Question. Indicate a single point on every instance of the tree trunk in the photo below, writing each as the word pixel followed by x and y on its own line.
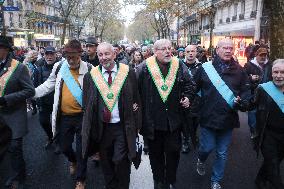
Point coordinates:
pixel 64 32
pixel 276 34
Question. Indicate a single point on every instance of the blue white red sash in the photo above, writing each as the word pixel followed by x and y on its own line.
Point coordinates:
pixel 71 83
pixel 274 93
pixel 219 84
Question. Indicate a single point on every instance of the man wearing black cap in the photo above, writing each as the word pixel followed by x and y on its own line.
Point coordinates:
pixel 15 88
pixel 45 103
pixel 66 80
pixel 91 47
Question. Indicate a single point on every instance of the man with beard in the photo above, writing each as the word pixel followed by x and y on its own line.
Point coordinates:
pixel 15 88
pixel 189 128
pixel 163 104
pixel 269 100
pixel 259 71
pixel 224 91
pixel 45 103
pixel 91 47
pixel 111 116
pixel 66 80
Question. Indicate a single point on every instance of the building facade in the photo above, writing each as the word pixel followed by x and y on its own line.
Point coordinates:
pixel 36 22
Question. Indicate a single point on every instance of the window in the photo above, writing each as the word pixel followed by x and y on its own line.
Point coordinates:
pixel 10 3
pixel 11 19
pixel 254 5
pixel 20 21
pixel 228 15
pixel 243 7
pixel 235 9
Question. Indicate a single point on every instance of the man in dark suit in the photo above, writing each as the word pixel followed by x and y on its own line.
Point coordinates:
pixel 166 92
pixel 111 117
pixel 15 87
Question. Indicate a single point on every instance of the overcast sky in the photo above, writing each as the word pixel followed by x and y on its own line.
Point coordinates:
pixel 128 12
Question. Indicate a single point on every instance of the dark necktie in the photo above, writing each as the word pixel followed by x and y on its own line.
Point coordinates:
pixel 106 112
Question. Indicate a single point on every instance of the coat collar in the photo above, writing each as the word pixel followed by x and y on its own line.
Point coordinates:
pixel 7 65
pixel 83 69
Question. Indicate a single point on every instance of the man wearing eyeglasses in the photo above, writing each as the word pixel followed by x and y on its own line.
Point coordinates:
pixel 224 90
pixel 166 91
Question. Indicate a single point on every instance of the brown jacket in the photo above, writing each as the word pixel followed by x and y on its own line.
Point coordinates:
pixel 92 126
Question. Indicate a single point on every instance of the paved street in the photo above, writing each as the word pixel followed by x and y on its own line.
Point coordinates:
pixel 49 171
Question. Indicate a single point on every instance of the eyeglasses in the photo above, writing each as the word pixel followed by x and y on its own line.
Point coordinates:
pixel 165 49
pixel 228 48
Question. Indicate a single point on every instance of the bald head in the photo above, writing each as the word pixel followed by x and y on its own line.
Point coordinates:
pixel 106 55
pixel 190 54
pixel 225 49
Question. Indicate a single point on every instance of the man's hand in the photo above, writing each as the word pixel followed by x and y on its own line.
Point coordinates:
pixel 135 107
pixel 254 77
pixel 2 101
pixel 185 102
pixel 237 100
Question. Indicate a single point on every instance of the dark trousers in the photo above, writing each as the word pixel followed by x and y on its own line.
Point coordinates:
pixel 69 126
pixel 114 160
pixel 17 160
pixel 192 124
pixel 45 122
pixel 164 154
pixel 273 153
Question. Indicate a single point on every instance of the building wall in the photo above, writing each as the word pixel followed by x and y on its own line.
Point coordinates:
pixel 33 23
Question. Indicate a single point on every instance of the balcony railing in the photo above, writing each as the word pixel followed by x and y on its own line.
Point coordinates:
pixel 206 27
pixel 228 20
pixel 253 14
pixel 241 16
pixel 47 18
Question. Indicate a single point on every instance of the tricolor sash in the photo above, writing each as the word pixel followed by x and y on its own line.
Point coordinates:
pixel 70 82
pixel 110 94
pixel 163 85
pixel 219 84
pixel 274 93
pixel 4 79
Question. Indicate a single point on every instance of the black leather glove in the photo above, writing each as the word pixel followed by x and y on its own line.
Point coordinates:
pixel 2 101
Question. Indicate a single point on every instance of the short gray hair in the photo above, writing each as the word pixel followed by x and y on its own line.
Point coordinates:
pixel 105 44
pixel 222 41
pixel 278 61
pixel 160 42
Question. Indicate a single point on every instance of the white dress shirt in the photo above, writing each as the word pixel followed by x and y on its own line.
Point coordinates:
pixel 115 112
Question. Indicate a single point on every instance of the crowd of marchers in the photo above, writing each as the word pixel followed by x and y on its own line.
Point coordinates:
pixel 103 96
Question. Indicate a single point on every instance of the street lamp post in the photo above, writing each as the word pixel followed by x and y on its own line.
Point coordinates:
pixel 3 33
pixel 211 25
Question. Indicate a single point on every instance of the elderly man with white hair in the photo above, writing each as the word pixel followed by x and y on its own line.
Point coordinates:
pixel 269 101
pixel 224 91
pixel 166 92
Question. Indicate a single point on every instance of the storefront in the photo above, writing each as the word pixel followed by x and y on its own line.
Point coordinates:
pixel 241 39
pixel 44 40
